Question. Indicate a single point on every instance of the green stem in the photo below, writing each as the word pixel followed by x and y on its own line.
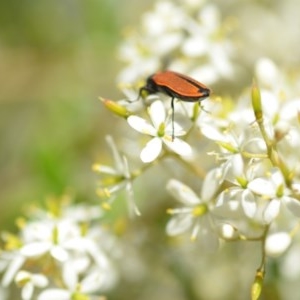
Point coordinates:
pixel 272 152
pixel 263 253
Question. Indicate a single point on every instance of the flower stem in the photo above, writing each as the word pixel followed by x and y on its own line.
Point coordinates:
pixel 272 152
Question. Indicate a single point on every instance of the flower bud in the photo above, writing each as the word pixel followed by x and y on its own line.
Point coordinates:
pixel 257 285
pixel 116 108
pixel 256 102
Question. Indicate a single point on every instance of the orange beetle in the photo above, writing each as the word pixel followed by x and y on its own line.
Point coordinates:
pixel 177 86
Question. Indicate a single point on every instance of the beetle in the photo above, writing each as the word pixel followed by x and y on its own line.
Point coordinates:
pixel 177 86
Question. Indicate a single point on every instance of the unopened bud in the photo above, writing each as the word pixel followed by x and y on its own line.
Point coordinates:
pixel 256 102
pixel 116 108
pixel 257 285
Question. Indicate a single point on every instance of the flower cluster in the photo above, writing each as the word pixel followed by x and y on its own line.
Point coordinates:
pixel 61 253
pixel 234 163
pixel 170 36
pixel 250 191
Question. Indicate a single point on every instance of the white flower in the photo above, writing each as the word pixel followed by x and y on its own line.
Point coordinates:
pixel 75 253
pixel 87 288
pixel 161 34
pixel 117 178
pixel 48 237
pixel 193 37
pixel 240 176
pixel 195 215
pixel 274 190
pixel 282 117
pixel 28 281
pixel 233 138
pixel 162 132
pixel 205 41
pixel 234 169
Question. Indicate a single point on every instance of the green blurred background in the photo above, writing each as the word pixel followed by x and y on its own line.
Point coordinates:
pixel 56 58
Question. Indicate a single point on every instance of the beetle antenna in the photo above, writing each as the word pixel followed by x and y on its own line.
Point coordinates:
pixel 139 95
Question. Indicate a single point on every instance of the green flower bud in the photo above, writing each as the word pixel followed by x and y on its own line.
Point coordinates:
pixel 256 102
pixel 116 108
pixel 257 285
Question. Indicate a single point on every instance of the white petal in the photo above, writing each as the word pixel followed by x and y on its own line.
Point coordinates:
pixel 178 130
pixel 99 257
pixel 12 269
pixel 195 46
pixel 125 164
pixel 290 109
pixel 22 276
pixel 210 17
pixel 277 177
pixel 179 224
pixel 27 291
pixel 293 205
pixel 212 133
pixel 227 231
pixel 268 97
pixel 237 165
pixel 59 253
pixel 39 280
pixel 207 72
pixel 277 243
pixel 228 204
pixel 35 249
pixel 116 154
pixel 167 43
pixel 133 208
pixel 211 184
pixel 182 192
pixel 69 274
pixel 57 294
pixel 93 282
pixel 262 186
pixel 267 72
pixel 157 113
pixel 151 150
pixel 141 125
pixel 272 210
pixel 178 146
pixel 104 169
pixel 209 240
pixel 248 203
pixel 255 145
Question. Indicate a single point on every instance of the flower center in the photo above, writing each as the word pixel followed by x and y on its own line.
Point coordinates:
pixel 200 210
pixel 161 130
